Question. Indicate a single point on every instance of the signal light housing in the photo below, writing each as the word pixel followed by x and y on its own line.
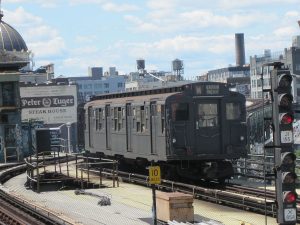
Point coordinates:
pixel 288 158
pixel 286 118
pixel 290 197
pixel 285 100
pixel 289 177
pixel 285 80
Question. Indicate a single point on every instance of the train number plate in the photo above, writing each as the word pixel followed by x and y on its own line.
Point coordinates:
pixel 290 214
pixel 286 136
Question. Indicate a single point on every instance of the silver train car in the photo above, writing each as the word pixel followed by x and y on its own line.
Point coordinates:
pixel 192 131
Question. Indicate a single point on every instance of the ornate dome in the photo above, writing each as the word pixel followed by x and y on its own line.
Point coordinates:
pixel 10 39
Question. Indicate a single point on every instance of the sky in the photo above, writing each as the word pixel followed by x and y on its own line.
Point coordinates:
pixel 76 34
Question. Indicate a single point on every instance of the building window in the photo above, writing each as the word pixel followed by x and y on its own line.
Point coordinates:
pixel 8 94
pixel 106 85
pixel 120 85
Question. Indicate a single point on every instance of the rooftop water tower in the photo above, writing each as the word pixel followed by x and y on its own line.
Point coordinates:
pixel 177 68
pixel 140 64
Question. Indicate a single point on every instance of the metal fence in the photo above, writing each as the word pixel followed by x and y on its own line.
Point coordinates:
pixel 257 165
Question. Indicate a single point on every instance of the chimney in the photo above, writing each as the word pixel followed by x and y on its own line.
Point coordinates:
pixel 239 49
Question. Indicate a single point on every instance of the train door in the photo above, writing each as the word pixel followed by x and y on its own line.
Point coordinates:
pixel 108 126
pixel 153 126
pixel 129 126
pixel 208 127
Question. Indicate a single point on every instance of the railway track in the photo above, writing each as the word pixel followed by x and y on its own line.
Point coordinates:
pixel 16 211
pixel 233 195
pixel 237 196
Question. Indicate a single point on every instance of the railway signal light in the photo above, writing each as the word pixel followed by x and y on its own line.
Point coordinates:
pixel 283 117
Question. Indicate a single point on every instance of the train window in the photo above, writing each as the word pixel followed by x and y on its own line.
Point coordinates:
pixel 143 119
pixel 146 116
pixel 123 117
pixel 162 118
pixel 115 113
pixel 180 111
pixel 133 112
pixel 119 118
pixel 153 110
pixel 138 119
pixel 208 115
pixel 99 119
pixel 233 111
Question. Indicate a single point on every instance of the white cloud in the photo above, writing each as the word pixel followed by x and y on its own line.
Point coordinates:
pixel 164 4
pixel 42 3
pixel 287 31
pixel 21 18
pixel 41 39
pixel 292 14
pixel 85 50
pixel 78 2
pixel 119 7
pixel 255 3
pixel 191 20
pixel 51 47
pixel 42 32
pixel 85 39
pixel 201 18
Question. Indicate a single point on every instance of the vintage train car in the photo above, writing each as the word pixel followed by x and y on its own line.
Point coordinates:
pixel 191 131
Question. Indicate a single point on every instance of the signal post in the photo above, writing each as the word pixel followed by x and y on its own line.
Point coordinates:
pixel 282 120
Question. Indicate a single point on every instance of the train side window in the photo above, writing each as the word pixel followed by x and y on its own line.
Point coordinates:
pixel 115 113
pixel 162 118
pixel 138 119
pixel 97 118
pixel 146 116
pixel 100 119
pixel 119 118
pixel 233 111
pixel 143 119
pixel 123 117
pixel 208 115
pixel 180 111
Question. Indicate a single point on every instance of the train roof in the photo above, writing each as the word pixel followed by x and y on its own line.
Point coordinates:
pixel 169 89
pixel 135 99
pixel 160 94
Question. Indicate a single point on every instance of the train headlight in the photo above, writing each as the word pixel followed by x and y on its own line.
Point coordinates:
pixel 174 140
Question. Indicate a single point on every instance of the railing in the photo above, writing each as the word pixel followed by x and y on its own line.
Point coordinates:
pixel 255 165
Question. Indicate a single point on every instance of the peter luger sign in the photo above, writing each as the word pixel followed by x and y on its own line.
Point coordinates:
pixel 51 104
pixel 37 102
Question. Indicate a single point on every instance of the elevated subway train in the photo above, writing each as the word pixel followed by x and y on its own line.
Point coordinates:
pixel 191 131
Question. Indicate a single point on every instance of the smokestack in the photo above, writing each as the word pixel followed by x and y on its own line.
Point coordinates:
pixel 239 49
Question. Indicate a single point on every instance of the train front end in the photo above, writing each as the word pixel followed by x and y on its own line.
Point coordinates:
pixel 207 129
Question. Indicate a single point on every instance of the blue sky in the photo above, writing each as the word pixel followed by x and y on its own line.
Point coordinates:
pixel 75 34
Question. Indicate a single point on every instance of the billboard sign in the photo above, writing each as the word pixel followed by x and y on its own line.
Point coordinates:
pixel 51 104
